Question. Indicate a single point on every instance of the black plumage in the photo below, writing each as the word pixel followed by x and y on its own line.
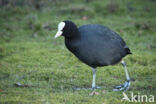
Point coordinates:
pixel 96 46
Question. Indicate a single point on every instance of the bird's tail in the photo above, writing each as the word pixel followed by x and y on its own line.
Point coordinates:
pixel 128 51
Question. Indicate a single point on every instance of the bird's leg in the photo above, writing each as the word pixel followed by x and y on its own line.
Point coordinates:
pixel 94 79
pixel 126 85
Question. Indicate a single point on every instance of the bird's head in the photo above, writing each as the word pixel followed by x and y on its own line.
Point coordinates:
pixel 67 29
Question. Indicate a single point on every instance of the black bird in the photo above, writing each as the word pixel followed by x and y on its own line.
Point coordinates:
pixel 96 46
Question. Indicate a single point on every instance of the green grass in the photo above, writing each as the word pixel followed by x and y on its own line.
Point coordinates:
pixel 29 54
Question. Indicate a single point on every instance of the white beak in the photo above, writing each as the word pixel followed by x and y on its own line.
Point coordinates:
pixel 59 33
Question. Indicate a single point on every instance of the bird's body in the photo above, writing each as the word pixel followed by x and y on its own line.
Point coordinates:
pixel 97 46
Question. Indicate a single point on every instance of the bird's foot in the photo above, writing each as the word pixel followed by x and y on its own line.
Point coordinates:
pixel 124 86
pixel 96 87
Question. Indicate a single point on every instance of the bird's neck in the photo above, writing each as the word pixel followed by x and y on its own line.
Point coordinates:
pixel 74 35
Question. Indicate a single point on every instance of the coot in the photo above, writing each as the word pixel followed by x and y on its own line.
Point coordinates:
pixel 96 46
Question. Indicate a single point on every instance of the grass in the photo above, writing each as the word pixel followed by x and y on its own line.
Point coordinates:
pixel 48 72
